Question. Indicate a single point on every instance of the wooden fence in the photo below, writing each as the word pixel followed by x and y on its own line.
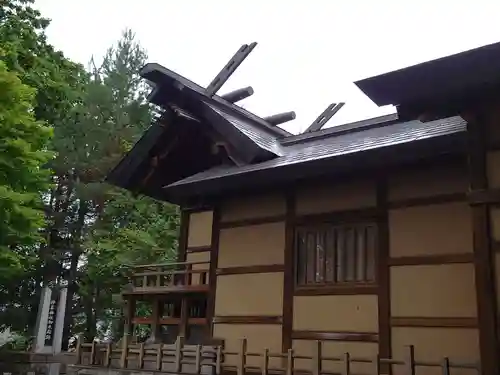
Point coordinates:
pixel 196 359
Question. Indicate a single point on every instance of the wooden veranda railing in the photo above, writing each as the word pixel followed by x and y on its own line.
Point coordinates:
pixel 157 276
pixel 196 359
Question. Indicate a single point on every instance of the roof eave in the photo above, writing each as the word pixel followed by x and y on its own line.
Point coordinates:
pixel 370 159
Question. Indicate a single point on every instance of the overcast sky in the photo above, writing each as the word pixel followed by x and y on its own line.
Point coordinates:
pixel 309 52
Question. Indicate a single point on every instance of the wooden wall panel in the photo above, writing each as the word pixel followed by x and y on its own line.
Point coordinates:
pixel 250 294
pixel 355 313
pixel 252 245
pixel 259 337
pixel 428 182
pixel 335 198
pixel 433 344
pixel 433 291
pixel 430 230
pixel 336 349
pixel 253 208
pixel 200 229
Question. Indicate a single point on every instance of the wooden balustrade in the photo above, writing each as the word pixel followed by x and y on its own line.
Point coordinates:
pixel 195 359
pixel 172 276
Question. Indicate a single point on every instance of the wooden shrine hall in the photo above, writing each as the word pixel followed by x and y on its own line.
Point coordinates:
pixel 378 238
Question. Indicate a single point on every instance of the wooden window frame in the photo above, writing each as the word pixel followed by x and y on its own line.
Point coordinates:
pixel 342 287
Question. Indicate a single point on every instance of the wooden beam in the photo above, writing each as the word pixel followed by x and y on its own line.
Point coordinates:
pixel 383 272
pixel 483 259
pixel 325 116
pixel 287 325
pixel 214 259
pixel 230 68
pixel 237 95
pixel 280 118
pixel 183 236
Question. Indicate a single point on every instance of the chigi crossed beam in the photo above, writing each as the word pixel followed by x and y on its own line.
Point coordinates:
pixel 240 94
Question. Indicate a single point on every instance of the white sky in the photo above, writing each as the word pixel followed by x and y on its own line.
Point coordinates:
pixel 309 52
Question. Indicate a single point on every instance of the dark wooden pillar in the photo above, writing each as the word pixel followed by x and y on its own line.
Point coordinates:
pixel 129 316
pixel 214 259
pixel 155 320
pixel 183 236
pixel 483 259
pixel 288 277
pixel 383 272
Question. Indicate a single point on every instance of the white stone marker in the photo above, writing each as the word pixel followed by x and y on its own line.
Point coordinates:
pixel 50 322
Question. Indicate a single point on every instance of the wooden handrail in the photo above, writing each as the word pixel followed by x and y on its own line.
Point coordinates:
pixel 168 264
pixel 156 273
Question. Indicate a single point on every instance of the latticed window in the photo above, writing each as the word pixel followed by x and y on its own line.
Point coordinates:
pixel 335 254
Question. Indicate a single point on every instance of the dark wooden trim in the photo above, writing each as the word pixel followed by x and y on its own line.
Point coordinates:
pixel 343 290
pixel 183 236
pixel 432 322
pixel 198 209
pixel 214 259
pixel 198 249
pixel 341 217
pixel 247 319
pixel 484 196
pixel 432 259
pixel 335 336
pixel 383 272
pixel 484 272
pixel 427 201
pixel 289 274
pixel 265 268
pixel 252 221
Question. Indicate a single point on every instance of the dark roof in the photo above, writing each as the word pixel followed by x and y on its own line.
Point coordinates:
pixel 175 160
pixel 315 150
pixel 169 85
pixel 473 70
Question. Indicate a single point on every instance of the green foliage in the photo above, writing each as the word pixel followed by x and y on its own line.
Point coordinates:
pixel 90 231
pixel 23 152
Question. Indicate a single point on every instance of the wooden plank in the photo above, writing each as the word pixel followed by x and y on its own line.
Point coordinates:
pixel 342 290
pixel 265 268
pixel 432 259
pixel 288 276
pixel 183 236
pixel 432 322
pixel 252 221
pixel 383 272
pixel 336 336
pixel 214 259
pixel 247 319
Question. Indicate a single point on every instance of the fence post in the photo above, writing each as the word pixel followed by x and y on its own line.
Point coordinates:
pixel 347 364
pixel 242 357
pixel 197 360
pixel 78 350
pixel 289 362
pixel 179 345
pixel 445 366
pixel 107 358
pixel 159 357
pixel 124 354
pixel 141 355
pixel 265 362
pixel 316 358
pixel 410 360
pixel 218 360
pixel 93 352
